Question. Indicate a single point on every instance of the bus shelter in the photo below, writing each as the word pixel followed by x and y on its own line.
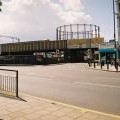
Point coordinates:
pixel 109 55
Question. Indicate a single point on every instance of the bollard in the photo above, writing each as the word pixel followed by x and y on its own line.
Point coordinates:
pixel 89 63
pixel 94 65
pixel 107 66
pixel 16 83
pixel 101 65
pixel 116 67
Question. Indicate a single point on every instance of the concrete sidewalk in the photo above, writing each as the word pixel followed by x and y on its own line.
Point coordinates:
pixel 104 68
pixel 33 108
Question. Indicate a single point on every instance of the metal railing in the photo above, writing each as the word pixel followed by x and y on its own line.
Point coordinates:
pixel 8 83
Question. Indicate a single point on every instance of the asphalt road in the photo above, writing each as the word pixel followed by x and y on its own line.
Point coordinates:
pixel 73 84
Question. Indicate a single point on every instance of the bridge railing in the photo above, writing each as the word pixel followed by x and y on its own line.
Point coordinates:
pixel 8 82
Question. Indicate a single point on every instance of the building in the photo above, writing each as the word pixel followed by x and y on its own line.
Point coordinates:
pixel 118 19
pixel 71 45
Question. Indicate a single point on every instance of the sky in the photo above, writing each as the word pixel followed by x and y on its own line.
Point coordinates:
pixel 37 19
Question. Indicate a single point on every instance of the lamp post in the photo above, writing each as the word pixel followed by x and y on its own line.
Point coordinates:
pixel 114 23
pixel 116 65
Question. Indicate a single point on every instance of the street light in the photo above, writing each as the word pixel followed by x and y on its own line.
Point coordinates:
pixel 116 65
pixel 114 23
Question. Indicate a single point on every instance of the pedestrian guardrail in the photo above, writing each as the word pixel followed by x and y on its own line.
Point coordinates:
pixel 9 83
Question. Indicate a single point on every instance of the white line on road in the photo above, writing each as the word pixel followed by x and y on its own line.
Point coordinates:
pixel 100 85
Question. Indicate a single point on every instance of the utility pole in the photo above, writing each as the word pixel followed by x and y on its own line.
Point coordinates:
pixel 0 11
pixel 116 65
pixel 114 23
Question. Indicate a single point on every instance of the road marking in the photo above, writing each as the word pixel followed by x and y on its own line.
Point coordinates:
pixel 100 85
pixel 72 106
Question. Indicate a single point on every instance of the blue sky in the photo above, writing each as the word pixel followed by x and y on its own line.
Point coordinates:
pixel 38 19
pixel 101 12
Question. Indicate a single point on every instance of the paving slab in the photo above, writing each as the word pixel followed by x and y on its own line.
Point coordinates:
pixel 33 108
pixel 104 68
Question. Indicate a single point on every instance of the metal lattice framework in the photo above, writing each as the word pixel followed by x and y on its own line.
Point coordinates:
pixel 11 37
pixel 77 31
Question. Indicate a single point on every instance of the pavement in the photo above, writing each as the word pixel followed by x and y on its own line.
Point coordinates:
pixel 28 107
pixel 104 68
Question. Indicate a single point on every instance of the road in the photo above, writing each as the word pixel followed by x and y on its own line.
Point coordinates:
pixel 73 84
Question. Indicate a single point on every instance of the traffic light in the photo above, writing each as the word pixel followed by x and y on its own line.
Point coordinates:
pixel 0 6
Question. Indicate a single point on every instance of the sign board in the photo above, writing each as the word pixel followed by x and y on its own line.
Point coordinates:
pixel 107 50
pixel 37 53
pixel 73 46
pixel 107 46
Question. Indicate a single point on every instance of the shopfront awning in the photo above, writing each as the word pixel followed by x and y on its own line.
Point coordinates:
pixel 107 50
